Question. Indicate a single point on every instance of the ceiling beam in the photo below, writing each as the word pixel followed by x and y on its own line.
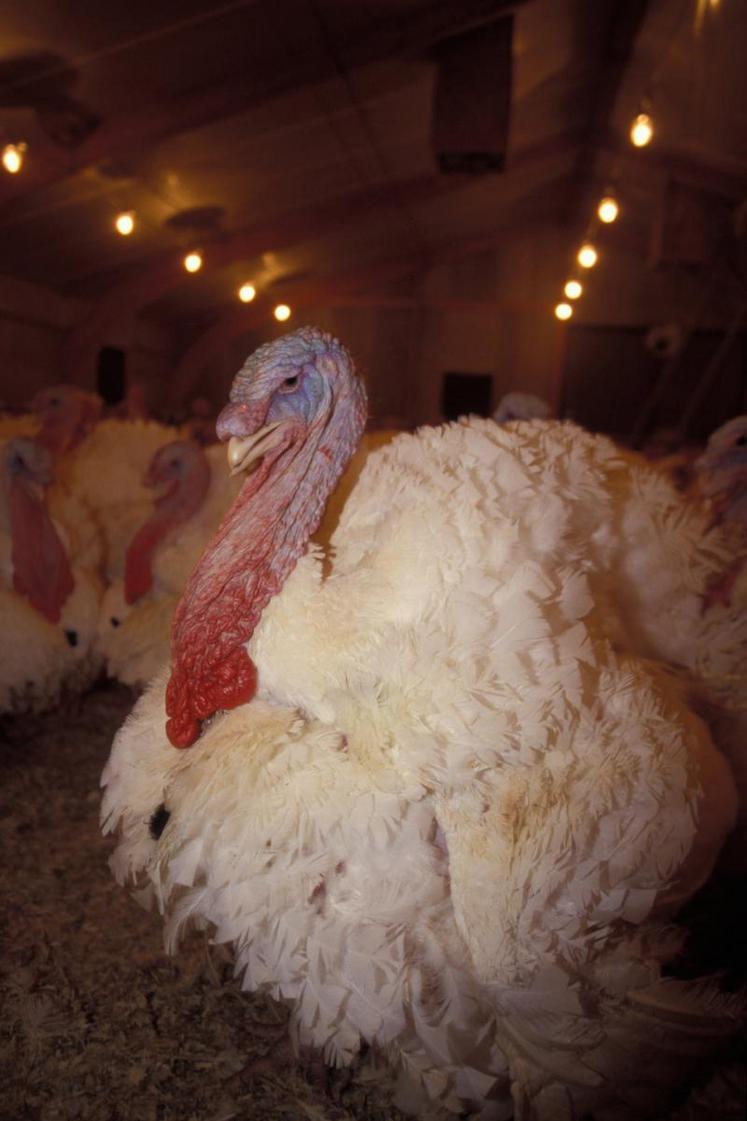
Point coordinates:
pixel 129 133
pixel 122 303
pixel 367 286
pixel 625 21
pixel 703 172
pixel 301 296
pixel 144 286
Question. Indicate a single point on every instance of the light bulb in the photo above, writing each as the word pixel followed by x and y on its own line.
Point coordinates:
pixel 193 261
pixel 608 209
pixel 247 292
pixel 563 311
pixel 282 312
pixel 124 223
pixel 641 130
pixel 13 157
pixel 573 289
pixel 587 256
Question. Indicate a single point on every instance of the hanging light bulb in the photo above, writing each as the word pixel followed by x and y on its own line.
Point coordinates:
pixel 247 292
pixel 573 289
pixel 641 130
pixel 124 223
pixel 587 256
pixel 193 261
pixel 12 157
pixel 563 311
pixel 608 209
pixel 282 312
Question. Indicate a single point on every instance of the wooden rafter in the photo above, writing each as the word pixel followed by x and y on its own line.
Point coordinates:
pixel 626 19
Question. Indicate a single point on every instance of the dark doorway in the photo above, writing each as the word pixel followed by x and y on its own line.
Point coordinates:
pixel 466 393
pixel 111 375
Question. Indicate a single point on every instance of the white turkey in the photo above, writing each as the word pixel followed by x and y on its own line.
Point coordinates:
pixel 436 801
pixel 722 478
pixel 193 492
pixel 101 462
pixel 517 405
pixel 49 595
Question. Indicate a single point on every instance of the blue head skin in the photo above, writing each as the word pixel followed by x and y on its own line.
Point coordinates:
pixel 28 459
pixel 285 396
pixel 722 470
pixel 67 415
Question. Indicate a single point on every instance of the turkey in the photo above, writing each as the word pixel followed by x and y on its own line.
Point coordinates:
pixel 369 442
pixel 101 462
pixel 194 492
pixel 722 478
pixel 50 598
pixel 521 406
pixel 437 801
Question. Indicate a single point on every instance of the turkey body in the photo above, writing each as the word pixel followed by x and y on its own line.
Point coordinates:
pixel 105 472
pixel 50 588
pixel 457 817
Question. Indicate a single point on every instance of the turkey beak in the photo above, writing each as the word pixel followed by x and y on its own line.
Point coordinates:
pixel 243 451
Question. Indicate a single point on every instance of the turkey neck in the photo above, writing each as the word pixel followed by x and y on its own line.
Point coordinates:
pixel 171 510
pixel 256 547
pixel 41 570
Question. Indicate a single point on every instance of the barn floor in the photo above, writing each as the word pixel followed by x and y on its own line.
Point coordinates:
pixel 95 1021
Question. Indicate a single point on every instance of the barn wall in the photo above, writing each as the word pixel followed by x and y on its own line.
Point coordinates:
pixel 485 313
pixel 34 322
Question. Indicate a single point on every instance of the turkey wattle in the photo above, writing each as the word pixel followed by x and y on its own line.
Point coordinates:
pixel 193 492
pixel 437 800
pixel 48 594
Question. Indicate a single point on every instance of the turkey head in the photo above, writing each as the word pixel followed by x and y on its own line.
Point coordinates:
pixel 182 474
pixel 295 415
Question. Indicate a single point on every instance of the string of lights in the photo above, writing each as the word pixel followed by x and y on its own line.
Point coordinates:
pixel 125 223
pixel 641 133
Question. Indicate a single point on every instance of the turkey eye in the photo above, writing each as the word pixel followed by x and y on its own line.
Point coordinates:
pixel 741 440
pixel 289 384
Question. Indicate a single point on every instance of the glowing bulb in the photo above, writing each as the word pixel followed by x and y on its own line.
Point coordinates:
pixel 247 292
pixel 193 261
pixel 124 223
pixel 13 157
pixel 587 256
pixel 282 312
pixel 573 289
pixel 608 209
pixel 563 311
pixel 642 130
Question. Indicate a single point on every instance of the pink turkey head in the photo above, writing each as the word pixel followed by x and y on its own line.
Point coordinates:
pixel 295 415
pixel 182 472
pixel 722 470
pixel 41 570
pixel 67 415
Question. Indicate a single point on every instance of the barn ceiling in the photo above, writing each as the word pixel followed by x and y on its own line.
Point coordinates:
pixel 292 140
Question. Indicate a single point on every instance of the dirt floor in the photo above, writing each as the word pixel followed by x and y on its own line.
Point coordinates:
pixel 96 1022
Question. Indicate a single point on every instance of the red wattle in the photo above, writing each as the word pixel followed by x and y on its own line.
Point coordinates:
pixel 41 570
pixel 261 537
pixel 138 578
pixel 194 696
